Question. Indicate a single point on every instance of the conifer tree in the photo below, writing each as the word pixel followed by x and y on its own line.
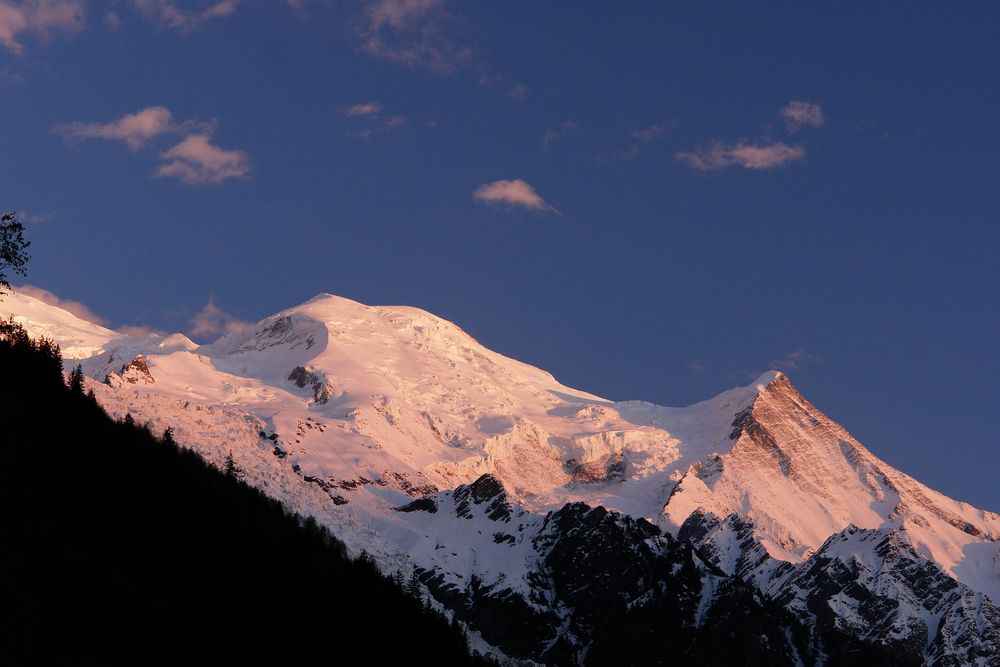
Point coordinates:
pixel 229 467
pixel 413 587
pixel 76 380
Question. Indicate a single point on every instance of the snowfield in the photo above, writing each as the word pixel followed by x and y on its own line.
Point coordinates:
pixel 347 412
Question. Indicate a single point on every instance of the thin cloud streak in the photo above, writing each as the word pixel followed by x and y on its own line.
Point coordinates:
pixel 364 110
pixel 794 360
pixel 647 134
pixel 134 129
pixel 718 156
pixel 167 14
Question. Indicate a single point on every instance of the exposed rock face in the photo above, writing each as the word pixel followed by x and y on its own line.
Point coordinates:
pixel 610 468
pixel 872 586
pixel 610 589
pixel 134 372
pixel 487 489
pixel 323 389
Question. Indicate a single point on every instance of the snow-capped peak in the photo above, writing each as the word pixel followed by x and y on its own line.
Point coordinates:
pixel 368 405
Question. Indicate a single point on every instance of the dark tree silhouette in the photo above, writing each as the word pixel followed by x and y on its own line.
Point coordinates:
pixel 76 379
pixel 13 249
pixel 230 467
pixel 115 542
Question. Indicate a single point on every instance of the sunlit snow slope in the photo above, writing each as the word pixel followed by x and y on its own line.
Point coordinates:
pixel 347 411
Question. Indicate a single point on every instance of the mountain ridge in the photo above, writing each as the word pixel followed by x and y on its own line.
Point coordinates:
pixel 374 419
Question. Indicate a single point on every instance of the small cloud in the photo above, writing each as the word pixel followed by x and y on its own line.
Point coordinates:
pixel 113 20
pixel 70 306
pixel 42 18
pixel 412 33
pixel 364 134
pixel 31 218
pixel 167 14
pixel 371 113
pixel 696 367
pixel 518 92
pixel 213 322
pixel 554 134
pixel 620 155
pixel 298 8
pixel 365 110
pixel 195 161
pixel 798 114
pixel 647 134
pixel 794 360
pixel 717 155
pixel 134 129
pixel 139 330
pixel 512 194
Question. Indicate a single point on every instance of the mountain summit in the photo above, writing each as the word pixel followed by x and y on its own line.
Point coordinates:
pixel 413 442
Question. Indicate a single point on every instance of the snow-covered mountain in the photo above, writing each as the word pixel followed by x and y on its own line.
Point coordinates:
pixel 416 444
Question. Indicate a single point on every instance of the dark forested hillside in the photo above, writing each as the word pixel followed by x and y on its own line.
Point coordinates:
pixel 118 546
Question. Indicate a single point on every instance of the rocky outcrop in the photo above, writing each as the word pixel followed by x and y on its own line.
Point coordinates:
pixel 323 389
pixel 134 372
pixel 487 490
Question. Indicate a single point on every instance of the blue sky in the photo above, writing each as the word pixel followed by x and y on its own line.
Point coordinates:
pixel 650 200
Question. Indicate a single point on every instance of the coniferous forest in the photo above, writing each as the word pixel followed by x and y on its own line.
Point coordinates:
pixel 116 546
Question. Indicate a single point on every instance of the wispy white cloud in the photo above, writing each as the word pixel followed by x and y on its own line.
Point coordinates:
pixel 32 218
pixel 717 155
pixel 168 14
pixel 370 113
pixel 212 322
pixel 518 92
pixel 134 129
pixel 363 110
pixel 798 114
pixel 41 18
pixel 74 307
pixel 554 134
pixel 113 20
pixel 794 360
pixel 195 160
pixel 139 330
pixel 649 133
pixel 512 194
pixel 413 33
pixel 397 121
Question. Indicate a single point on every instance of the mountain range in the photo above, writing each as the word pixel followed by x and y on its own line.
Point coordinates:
pixel 559 526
